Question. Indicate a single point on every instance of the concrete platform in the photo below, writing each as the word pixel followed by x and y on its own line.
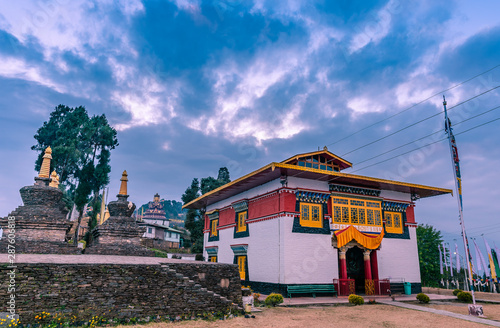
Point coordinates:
pixel 325 300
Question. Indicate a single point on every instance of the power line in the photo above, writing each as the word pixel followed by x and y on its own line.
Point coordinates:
pixel 418 103
pixel 406 144
pixel 422 120
pixel 410 151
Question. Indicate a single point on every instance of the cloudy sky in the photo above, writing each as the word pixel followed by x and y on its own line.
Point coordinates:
pixel 192 86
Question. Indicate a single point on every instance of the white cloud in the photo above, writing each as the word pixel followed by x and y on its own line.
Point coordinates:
pixel 19 69
pixel 374 29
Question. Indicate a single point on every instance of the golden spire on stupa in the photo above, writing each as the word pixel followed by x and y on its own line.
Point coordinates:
pixel 54 182
pixel 123 186
pixel 45 168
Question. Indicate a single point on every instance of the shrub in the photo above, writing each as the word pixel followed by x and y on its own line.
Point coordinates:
pixel 356 300
pixel 256 300
pixel 456 291
pixel 274 299
pixel 199 257
pixel 422 298
pixel 465 297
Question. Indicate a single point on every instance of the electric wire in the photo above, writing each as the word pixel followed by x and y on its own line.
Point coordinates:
pixel 414 105
pixel 410 151
pixel 426 136
pixel 418 122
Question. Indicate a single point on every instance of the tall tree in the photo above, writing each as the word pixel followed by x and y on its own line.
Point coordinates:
pixel 428 240
pixel 210 183
pixel 193 221
pixel 194 218
pixel 81 148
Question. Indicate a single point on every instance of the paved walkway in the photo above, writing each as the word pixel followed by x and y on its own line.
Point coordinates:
pixel 442 312
pixel 324 300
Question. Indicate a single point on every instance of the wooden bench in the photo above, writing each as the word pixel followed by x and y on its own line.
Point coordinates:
pixel 310 289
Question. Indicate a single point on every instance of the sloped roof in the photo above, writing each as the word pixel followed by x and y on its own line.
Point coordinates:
pixel 342 163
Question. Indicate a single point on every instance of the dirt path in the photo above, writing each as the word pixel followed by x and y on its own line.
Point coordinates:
pixel 334 316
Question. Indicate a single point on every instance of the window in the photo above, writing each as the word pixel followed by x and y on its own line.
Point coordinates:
pixel 393 222
pixel 150 230
pixel 212 258
pixel 213 230
pixel 241 266
pixel 356 211
pixel 311 215
pixel 318 162
pixel 242 222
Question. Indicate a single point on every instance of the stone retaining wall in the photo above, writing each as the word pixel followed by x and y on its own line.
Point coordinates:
pixel 120 290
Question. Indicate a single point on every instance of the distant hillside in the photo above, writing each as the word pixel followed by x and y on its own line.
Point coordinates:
pixel 173 212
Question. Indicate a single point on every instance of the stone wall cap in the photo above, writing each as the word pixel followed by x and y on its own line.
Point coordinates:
pixel 97 259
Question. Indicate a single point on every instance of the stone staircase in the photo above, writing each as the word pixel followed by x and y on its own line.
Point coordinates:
pixel 199 294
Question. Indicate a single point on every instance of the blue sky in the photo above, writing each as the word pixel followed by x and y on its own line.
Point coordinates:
pixel 192 86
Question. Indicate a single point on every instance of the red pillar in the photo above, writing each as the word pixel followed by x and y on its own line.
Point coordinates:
pixel 343 264
pixel 374 262
pixel 368 266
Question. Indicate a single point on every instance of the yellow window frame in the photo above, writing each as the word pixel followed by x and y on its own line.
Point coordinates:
pixel 242 222
pixel 213 258
pixel 311 215
pixel 356 211
pixel 213 230
pixel 393 222
pixel 241 266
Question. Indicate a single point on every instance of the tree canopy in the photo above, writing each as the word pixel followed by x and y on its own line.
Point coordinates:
pixel 194 218
pixel 428 240
pixel 81 148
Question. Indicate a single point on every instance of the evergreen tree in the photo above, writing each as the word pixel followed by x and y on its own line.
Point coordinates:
pixel 81 148
pixel 428 240
pixel 194 218
pixel 193 221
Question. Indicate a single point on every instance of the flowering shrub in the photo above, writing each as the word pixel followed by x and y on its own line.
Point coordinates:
pixel 274 299
pixel 356 300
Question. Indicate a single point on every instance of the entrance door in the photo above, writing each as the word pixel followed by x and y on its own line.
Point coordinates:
pixel 356 268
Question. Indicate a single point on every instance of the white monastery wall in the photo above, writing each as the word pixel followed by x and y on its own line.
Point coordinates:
pixel 259 190
pixel 395 195
pixel 309 258
pixel 263 254
pixel 398 258
pixel 294 182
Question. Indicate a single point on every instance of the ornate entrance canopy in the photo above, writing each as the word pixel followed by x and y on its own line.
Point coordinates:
pixel 366 240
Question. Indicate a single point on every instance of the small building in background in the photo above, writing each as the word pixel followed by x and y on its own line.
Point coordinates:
pixel 158 226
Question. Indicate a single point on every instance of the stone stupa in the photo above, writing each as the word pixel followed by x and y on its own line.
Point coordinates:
pixel 40 224
pixel 119 234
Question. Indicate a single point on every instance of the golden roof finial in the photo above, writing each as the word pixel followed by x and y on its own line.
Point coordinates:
pixel 45 168
pixel 54 182
pixel 123 186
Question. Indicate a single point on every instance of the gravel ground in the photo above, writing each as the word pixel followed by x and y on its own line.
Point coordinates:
pixel 339 316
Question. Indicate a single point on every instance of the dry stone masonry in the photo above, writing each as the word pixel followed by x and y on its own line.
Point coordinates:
pixel 115 291
pixel 119 234
pixel 40 224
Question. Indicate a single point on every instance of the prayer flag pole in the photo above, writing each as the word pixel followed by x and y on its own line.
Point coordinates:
pixel 458 186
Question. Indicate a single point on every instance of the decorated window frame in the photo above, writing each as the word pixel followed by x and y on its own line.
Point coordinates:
pixel 241 259
pixel 357 211
pixel 212 253
pixel 311 209
pixel 240 218
pixel 398 208
pixel 213 217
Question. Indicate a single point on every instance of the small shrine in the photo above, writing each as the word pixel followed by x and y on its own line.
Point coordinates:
pixel 119 234
pixel 40 224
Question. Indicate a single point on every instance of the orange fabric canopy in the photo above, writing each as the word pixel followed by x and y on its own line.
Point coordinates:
pixel 366 240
